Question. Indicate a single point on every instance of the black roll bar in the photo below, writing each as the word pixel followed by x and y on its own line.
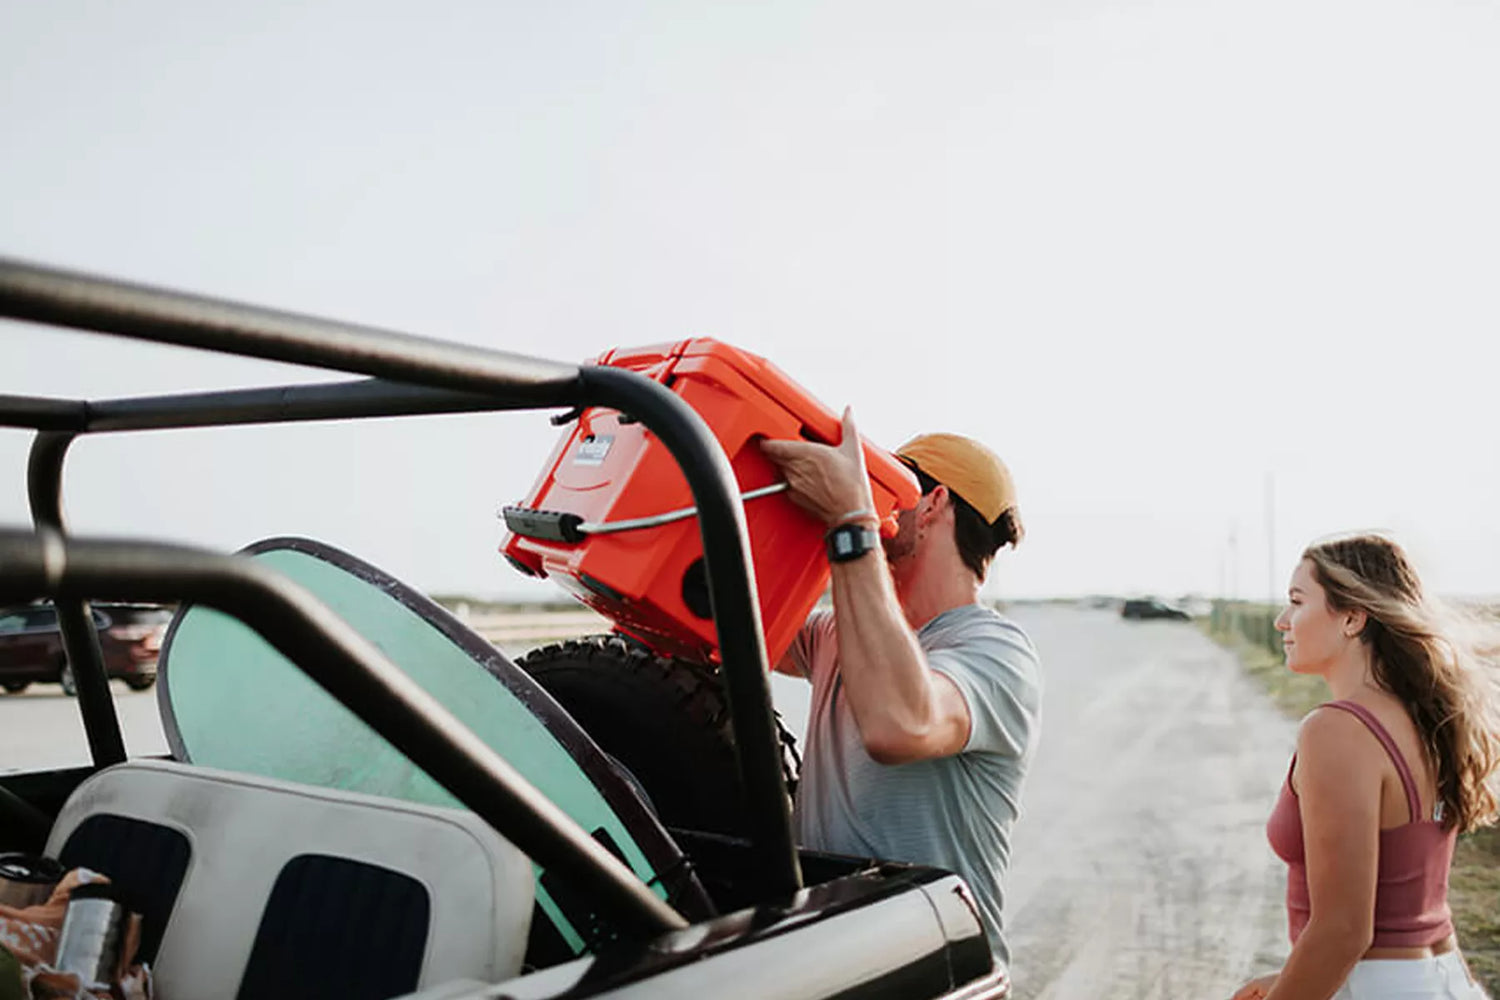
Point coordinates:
pixel 43 414
pixel 85 302
pixel 419 375
pixel 353 670
pixel 721 519
pixel 372 397
pixel 75 619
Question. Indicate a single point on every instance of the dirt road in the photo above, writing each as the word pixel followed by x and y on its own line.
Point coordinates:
pixel 1140 868
pixel 42 728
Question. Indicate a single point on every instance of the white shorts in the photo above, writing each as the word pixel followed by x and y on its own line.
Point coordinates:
pixel 1441 978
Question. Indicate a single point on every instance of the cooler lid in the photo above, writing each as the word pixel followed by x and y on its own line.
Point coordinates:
pixel 884 468
pixel 658 360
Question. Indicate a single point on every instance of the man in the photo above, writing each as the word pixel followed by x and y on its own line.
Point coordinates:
pixel 925 703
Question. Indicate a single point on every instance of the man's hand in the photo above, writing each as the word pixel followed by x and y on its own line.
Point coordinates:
pixel 829 482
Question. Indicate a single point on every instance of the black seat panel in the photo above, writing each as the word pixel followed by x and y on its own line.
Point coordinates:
pixel 338 928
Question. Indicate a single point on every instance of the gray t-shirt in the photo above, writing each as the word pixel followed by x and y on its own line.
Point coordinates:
pixel 952 812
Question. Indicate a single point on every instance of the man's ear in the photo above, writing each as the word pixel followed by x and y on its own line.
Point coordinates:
pixel 933 504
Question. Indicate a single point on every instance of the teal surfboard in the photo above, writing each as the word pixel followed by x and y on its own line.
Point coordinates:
pixel 229 700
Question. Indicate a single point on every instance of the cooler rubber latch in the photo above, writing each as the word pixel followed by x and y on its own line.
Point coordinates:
pixel 547 525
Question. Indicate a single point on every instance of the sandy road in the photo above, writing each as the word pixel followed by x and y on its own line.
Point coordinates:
pixel 42 728
pixel 1140 868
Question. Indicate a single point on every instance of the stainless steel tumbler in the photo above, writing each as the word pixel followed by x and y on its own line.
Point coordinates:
pixel 89 945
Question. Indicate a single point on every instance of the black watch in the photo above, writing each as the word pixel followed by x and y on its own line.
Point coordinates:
pixel 850 541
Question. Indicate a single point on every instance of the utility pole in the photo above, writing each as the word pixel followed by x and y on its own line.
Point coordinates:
pixel 1234 559
pixel 1272 587
pixel 1234 576
pixel 1271 583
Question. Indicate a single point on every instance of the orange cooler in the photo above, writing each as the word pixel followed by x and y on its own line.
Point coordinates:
pixel 650 581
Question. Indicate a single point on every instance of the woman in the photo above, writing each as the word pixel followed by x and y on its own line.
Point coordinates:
pixel 1384 777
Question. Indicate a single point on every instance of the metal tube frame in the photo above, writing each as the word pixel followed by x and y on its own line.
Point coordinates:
pixel 411 375
pixel 75 618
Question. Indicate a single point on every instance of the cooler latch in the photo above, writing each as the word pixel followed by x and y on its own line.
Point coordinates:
pixel 546 525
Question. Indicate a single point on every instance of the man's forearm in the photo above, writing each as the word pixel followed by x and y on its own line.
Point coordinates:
pixel 885 674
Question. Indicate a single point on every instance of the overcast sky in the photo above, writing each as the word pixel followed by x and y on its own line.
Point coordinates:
pixel 1158 255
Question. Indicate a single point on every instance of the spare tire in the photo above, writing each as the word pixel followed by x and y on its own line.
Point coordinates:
pixel 665 720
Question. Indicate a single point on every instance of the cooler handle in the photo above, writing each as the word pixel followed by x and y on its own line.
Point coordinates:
pixel 556 526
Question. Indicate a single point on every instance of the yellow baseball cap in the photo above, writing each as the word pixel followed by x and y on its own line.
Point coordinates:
pixel 967 468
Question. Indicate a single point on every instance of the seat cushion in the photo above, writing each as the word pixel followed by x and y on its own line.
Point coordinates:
pixel 267 857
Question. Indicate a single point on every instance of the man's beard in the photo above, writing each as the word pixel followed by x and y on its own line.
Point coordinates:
pixel 905 541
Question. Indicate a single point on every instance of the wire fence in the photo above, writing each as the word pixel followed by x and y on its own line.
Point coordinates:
pixel 1251 621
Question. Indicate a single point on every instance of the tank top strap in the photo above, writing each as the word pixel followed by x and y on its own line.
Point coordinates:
pixel 1413 801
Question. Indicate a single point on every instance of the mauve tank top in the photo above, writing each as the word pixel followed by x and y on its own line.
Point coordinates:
pixel 1411 888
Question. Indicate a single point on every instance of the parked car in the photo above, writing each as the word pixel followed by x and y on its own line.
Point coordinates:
pixel 31 645
pixel 1146 608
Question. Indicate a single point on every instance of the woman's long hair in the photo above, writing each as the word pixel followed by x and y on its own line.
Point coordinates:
pixel 1439 662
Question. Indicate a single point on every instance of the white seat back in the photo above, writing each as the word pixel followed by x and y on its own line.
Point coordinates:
pixel 242 833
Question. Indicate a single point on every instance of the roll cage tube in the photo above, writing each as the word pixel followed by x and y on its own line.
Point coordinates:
pixel 75 620
pixel 420 375
pixel 353 670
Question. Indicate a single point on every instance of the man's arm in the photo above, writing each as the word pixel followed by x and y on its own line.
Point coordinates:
pixel 904 710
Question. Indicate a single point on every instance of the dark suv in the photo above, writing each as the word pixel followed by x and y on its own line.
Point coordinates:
pixel 31 645
pixel 1152 608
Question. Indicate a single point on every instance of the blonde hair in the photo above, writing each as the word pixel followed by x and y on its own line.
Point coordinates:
pixel 1439 661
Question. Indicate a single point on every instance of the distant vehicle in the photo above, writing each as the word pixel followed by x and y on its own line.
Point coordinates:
pixel 31 645
pixel 1152 608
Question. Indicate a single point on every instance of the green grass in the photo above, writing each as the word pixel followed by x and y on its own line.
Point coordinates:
pixel 1474 882
pixel 1474 894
